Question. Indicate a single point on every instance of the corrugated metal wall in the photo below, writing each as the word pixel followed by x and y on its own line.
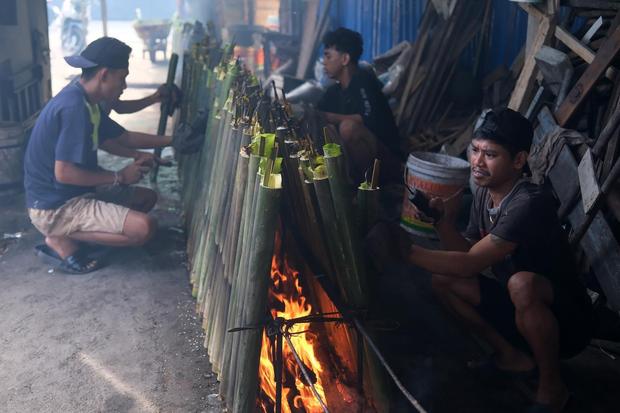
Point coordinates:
pixel 384 23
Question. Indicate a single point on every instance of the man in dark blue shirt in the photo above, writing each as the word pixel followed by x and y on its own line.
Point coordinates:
pixel 66 192
pixel 357 106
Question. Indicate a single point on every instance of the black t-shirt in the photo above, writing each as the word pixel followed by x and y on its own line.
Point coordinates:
pixel 528 217
pixel 363 97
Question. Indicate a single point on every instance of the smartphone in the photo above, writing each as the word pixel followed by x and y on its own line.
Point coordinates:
pixel 421 202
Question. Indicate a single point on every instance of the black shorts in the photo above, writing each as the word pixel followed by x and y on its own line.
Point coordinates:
pixel 573 312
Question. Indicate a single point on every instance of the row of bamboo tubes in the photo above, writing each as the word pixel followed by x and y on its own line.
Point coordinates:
pixel 234 192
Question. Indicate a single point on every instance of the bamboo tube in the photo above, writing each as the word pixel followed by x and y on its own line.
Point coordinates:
pixel 234 318
pixel 232 235
pixel 332 237
pixel 367 208
pixel 355 282
pixel 268 205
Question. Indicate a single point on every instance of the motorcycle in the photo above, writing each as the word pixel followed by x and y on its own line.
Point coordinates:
pixel 73 19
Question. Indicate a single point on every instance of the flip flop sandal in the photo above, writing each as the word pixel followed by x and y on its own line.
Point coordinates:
pixel 537 407
pixel 47 255
pixel 488 368
pixel 76 264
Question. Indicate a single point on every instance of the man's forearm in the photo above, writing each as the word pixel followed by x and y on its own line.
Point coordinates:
pixel 451 239
pixel 116 148
pixel 449 263
pixel 135 105
pixel 71 174
pixel 139 140
pixel 337 118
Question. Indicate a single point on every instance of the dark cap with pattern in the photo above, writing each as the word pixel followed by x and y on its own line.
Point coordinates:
pixel 105 52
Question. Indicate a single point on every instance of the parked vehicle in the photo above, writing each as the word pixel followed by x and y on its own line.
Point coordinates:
pixel 73 22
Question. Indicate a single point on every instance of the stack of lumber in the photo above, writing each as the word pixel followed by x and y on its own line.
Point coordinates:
pixel 441 39
pixel 569 80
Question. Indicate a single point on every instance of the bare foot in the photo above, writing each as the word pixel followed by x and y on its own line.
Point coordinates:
pixel 556 397
pixel 514 361
pixel 63 246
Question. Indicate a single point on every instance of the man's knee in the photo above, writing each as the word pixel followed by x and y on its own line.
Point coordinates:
pixel 139 227
pixel 440 284
pixel 527 289
pixel 144 199
pixel 349 130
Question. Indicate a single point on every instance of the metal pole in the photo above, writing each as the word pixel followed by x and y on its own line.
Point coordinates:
pixel 305 373
pixel 104 16
pixel 278 372
pixel 400 386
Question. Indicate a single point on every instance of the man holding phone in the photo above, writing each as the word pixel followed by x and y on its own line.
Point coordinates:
pixel 533 309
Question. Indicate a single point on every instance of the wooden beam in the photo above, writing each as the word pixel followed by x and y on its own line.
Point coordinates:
pixel 574 44
pixel 525 83
pixel 587 38
pixel 533 10
pixel 597 68
pixel 599 243
pixel 595 4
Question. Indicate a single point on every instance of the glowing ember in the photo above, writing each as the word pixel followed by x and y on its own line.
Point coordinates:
pixel 286 300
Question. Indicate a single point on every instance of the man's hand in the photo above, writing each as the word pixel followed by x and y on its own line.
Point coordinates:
pixel 171 95
pixel 448 208
pixel 134 172
pixel 150 159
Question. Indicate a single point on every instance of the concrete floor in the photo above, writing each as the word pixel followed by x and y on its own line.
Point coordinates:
pixel 122 339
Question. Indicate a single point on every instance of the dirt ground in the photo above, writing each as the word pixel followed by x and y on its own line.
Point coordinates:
pixel 122 339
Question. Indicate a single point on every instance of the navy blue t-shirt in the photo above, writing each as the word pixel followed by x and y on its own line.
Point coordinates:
pixel 63 132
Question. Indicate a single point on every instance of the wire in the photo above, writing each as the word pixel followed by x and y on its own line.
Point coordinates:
pixel 305 373
pixel 400 386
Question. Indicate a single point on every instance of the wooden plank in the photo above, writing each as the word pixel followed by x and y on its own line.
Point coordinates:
pixel 587 38
pixel 603 254
pixel 599 244
pixel 590 190
pixel 595 4
pixel 597 68
pixel 525 83
pixel 574 44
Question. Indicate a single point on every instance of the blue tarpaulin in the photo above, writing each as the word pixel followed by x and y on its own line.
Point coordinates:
pixel 385 23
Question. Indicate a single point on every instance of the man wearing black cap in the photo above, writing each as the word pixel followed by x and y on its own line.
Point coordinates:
pixel 63 181
pixel 533 309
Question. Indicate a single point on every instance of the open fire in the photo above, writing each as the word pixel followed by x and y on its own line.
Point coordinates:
pixel 287 300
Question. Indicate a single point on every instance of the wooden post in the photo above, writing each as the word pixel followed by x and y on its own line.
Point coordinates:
pixel 525 83
pixel 165 109
pixel 607 52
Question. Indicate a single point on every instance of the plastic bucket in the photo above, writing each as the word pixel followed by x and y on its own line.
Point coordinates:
pixel 436 175
pixel 12 141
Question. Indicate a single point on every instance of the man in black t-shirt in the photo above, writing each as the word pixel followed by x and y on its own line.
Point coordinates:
pixel 356 105
pixel 533 310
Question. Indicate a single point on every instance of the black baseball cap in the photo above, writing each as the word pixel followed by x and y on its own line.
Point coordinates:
pixel 506 127
pixel 105 52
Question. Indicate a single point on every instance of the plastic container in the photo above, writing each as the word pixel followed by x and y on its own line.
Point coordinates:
pixel 436 175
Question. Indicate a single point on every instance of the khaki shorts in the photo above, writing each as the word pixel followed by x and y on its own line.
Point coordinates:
pixel 101 211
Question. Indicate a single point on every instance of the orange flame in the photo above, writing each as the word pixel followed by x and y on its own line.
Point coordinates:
pixel 287 301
